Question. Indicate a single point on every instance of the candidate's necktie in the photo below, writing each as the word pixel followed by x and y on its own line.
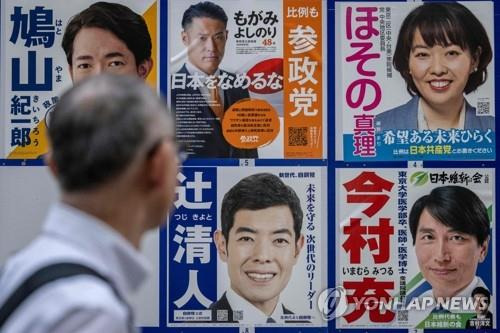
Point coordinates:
pixel 270 320
pixel 216 103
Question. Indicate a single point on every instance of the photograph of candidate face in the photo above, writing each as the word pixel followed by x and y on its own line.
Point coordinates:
pixel 450 231
pixel 204 36
pixel 442 53
pixel 107 37
pixel 260 240
pixel 483 317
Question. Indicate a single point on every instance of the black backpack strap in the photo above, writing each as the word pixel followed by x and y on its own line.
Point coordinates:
pixel 48 274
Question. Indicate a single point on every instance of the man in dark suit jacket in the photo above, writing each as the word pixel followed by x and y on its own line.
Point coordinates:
pixel 260 241
pixel 484 317
pixel 199 108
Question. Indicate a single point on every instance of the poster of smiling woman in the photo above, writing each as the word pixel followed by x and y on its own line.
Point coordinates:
pixel 417 81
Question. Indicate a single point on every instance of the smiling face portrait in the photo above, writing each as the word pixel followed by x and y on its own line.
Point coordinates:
pixel 260 254
pixel 442 52
pixel 260 239
pixel 454 31
pixel 107 37
pixel 440 73
pixel 450 231
pixel 447 258
pixel 204 35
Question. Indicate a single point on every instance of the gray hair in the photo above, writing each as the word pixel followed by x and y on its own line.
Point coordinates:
pixel 101 125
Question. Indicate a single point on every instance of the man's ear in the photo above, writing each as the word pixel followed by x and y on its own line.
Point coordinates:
pixel 157 162
pixel 144 68
pixel 51 164
pixel 220 243
pixel 185 38
pixel 484 249
pixel 299 244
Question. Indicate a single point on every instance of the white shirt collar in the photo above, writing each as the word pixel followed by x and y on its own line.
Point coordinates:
pixel 466 292
pixel 192 69
pixel 252 315
pixel 417 316
pixel 117 258
pixel 422 123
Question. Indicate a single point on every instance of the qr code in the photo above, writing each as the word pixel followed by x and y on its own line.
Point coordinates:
pixel 403 315
pixel 222 315
pixel 238 315
pixel 297 136
pixel 483 107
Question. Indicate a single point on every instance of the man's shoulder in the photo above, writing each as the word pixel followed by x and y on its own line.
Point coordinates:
pixel 42 251
pixel 221 304
pixel 229 74
pixel 183 70
pixel 85 287
pixel 222 311
pixel 287 311
pixel 84 291
pixel 63 303
pixel 75 291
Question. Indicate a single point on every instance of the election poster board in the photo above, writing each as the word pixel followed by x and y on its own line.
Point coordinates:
pixel 254 89
pixel 199 278
pixel 276 56
pixel 34 70
pixel 377 119
pixel 387 280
